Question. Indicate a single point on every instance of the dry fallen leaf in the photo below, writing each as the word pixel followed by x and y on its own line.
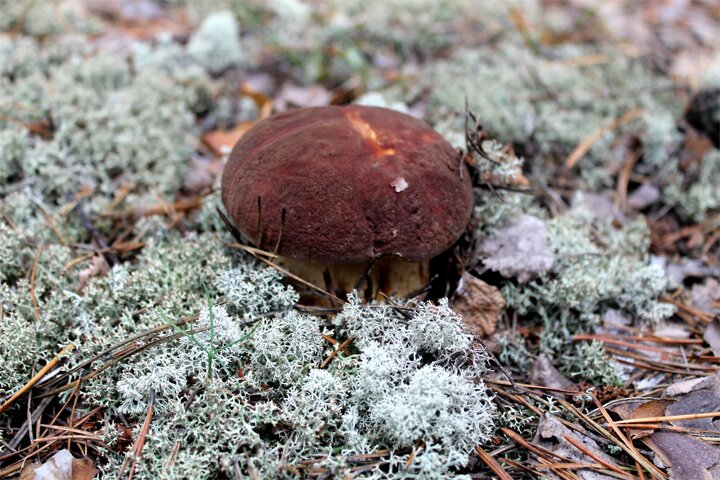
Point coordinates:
pixel 552 434
pixel 544 373
pixel 519 180
pixel 479 304
pixel 197 180
pixel 686 456
pixel 263 102
pixel 699 400
pixel 221 142
pixel 706 296
pixel 712 336
pixel 643 196
pixel 653 408
pixel 519 249
pixel 61 466
pixel 687 386
pixel 128 11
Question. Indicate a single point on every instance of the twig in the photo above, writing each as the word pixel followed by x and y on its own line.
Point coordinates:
pixel 52 224
pixel 536 449
pixel 95 233
pixel 261 254
pixel 259 222
pixel 623 180
pixel 36 414
pixel 163 209
pixel 282 230
pixel 707 225
pixel 605 433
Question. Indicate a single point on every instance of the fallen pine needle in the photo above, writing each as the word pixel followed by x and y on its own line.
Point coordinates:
pixel 490 461
pixel 334 352
pixel 33 274
pixel 38 376
pixel 567 465
pixel 585 146
pixel 669 418
pixel 137 447
pixel 590 454
pixel 629 447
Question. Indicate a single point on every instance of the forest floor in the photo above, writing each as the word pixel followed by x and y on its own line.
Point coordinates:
pixel 572 332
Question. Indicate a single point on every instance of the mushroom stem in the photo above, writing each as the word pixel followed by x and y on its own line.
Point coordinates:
pixel 387 275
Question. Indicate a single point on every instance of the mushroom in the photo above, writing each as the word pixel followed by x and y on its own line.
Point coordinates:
pixel 349 189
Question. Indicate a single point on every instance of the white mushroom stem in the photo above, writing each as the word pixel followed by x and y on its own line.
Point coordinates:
pixel 388 275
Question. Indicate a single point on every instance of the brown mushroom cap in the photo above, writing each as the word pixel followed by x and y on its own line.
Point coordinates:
pixel 355 182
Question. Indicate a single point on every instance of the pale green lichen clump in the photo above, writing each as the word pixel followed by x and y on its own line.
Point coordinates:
pixel 700 195
pixel 286 409
pixel 105 128
pixel 216 44
pixel 551 103
pixel 407 379
pixel 597 267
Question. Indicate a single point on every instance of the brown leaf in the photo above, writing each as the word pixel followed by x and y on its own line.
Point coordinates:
pixel 479 304
pixel 552 434
pixel 544 373
pixel 61 466
pixel 653 408
pixel 222 141
pixel 625 409
pixel 518 180
pixel 83 469
pixel 687 457
pixel 263 102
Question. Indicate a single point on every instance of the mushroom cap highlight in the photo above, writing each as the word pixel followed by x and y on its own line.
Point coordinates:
pixel 355 182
